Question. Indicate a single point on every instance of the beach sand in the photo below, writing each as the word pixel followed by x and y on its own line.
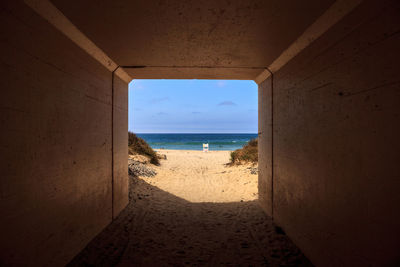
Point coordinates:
pixel 198 176
pixel 195 212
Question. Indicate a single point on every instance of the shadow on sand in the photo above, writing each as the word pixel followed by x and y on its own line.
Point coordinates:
pixel 160 229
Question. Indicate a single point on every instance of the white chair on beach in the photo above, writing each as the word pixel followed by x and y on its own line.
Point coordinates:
pixel 205 147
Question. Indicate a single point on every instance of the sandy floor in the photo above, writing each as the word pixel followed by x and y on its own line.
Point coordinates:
pixel 191 214
pixel 204 177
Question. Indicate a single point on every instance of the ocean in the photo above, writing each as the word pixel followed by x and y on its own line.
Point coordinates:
pixel 195 141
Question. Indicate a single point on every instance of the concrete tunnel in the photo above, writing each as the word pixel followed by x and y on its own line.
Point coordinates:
pixel 329 91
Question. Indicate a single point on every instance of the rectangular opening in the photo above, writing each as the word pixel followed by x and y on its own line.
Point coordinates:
pixel 200 130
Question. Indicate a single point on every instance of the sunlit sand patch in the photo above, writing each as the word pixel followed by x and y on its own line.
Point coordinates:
pixel 198 176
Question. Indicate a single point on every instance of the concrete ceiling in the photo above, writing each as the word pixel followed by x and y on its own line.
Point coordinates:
pixel 175 39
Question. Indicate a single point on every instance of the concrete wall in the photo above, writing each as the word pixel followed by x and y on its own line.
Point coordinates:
pixel 336 142
pixel 120 113
pixel 55 121
pixel 265 145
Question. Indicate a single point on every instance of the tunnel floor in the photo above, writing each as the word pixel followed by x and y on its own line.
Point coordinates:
pixel 160 229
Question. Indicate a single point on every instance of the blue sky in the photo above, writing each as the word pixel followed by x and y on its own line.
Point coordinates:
pixel 192 106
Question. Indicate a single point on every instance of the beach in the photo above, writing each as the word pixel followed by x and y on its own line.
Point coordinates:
pixel 196 211
pixel 198 176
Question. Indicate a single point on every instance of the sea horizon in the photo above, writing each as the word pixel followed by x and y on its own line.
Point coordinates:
pixel 195 141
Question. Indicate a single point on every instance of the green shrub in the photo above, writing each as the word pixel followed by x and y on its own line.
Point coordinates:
pixel 233 156
pixel 249 153
pixel 137 145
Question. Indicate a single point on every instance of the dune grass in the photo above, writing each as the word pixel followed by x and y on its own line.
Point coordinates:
pixel 247 154
pixel 137 145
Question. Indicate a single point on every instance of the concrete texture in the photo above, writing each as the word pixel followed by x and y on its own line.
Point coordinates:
pixel 328 166
pixel 57 19
pixel 330 17
pixel 216 34
pixel 336 147
pixel 55 121
pixel 120 113
pixel 265 145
